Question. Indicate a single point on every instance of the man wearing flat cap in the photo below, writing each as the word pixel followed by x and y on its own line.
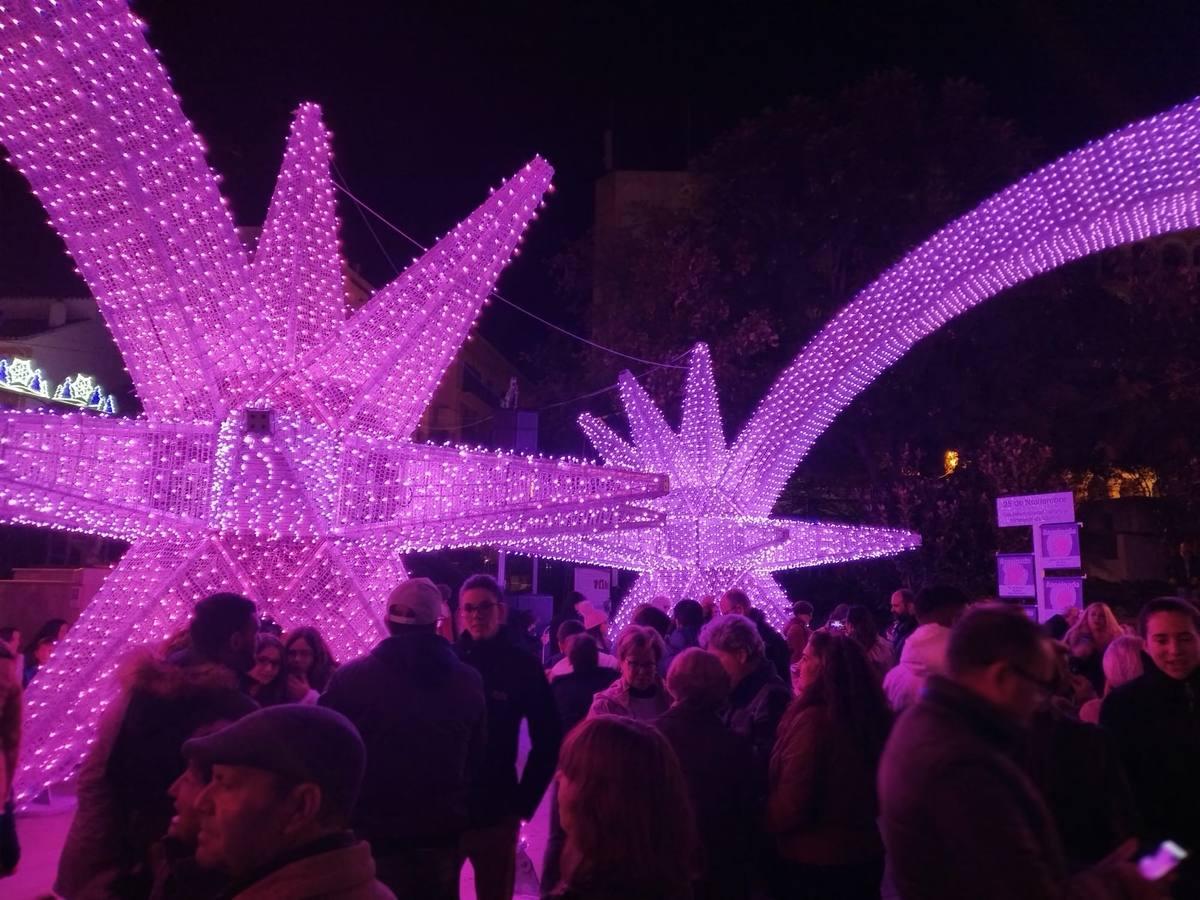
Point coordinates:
pixel 275 815
pixel 423 718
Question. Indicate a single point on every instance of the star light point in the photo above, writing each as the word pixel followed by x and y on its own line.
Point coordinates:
pixel 1136 183
pixel 275 457
pixel 710 538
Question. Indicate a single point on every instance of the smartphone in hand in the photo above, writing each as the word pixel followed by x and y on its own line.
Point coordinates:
pixel 1160 863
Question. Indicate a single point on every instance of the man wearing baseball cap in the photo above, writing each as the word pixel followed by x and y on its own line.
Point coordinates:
pixel 422 716
pixel 275 814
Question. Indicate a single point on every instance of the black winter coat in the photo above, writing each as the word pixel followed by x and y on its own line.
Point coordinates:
pixel 717 767
pixel 775 648
pixel 574 691
pixel 1076 767
pixel 958 813
pixel 423 719
pixel 1155 722
pixel 756 705
pixel 166 702
pixel 516 688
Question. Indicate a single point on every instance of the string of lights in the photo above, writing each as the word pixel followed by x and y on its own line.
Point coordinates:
pixel 363 206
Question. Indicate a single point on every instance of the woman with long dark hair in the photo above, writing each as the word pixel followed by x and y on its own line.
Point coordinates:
pixel 269 677
pixel 309 664
pixel 822 802
pixel 624 805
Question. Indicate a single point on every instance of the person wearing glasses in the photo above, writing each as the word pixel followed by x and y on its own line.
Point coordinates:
pixel 515 688
pixel 958 813
pixel 639 693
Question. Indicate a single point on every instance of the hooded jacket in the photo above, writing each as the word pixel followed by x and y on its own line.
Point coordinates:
pixel 123 804
pixel 422 717
pixel 924 654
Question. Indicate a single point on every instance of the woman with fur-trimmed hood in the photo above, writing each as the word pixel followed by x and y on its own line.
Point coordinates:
pixel 124 807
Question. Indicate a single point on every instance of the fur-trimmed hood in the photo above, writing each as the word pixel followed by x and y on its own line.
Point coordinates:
pixel 179 676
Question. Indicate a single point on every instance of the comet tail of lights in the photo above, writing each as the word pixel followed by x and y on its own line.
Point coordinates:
pixel 1140 181
pixel 275 457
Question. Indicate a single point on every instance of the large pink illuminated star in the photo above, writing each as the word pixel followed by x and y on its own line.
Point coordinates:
pixel 711 537
pixel 1136 183
pixel 274 458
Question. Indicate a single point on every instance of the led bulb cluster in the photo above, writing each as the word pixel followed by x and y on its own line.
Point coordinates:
pixel 707 538
pixel 275 458
pixel 717 533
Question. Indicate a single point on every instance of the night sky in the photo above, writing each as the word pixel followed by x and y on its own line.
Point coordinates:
pixel 432 103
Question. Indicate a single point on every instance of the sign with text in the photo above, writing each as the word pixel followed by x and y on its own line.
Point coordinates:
pixel 1059 545
pixel 1035 509
pixel 595 584
pixel 1061 592
pixel 1015 575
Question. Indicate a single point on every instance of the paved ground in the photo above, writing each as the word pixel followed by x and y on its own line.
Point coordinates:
pixel 43 832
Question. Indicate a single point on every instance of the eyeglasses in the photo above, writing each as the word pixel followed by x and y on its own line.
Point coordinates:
pixel 482 609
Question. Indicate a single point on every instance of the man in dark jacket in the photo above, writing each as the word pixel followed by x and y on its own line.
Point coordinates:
pixel 736 603
pixel 423 719
pixel 1155 721
pixel 516 689
pixel 959 815
pixel 124 808
pixel 759 696
pixel 904 620
pixel 275 815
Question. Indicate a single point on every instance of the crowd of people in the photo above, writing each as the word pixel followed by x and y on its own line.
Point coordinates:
pixel 961 751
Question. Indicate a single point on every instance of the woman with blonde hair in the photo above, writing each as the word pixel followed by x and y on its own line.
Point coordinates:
pixel 624 805
pixel 1122 663
pixel 1089 637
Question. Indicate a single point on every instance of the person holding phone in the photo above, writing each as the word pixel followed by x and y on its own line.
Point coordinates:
pixel 1155 722
pixel 958 813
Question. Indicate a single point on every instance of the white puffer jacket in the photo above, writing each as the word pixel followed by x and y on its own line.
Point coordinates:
pixel 924 654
